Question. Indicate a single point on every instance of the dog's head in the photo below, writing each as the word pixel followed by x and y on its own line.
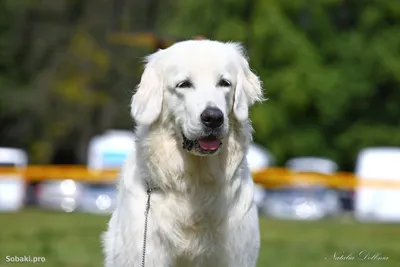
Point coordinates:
pixel 197 86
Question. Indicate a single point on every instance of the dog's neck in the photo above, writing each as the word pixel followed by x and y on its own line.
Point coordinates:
pixel 172 168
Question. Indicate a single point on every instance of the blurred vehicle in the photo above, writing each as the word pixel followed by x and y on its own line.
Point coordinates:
pixel 259 158
pixel 12 186
pixel 378 204
pixel 106 151
pixel 98 198
pixel 312 164
pixel 303 201
pixel 323 166
pixel 62 195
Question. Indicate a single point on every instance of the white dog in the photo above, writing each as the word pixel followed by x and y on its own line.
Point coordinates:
pixel 193 131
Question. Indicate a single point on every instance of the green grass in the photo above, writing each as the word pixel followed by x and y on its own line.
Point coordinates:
pixel 73 240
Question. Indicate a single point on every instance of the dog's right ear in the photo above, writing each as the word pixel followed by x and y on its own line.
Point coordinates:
pixel 147 101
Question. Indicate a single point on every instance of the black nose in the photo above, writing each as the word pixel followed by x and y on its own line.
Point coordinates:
pixel 212 117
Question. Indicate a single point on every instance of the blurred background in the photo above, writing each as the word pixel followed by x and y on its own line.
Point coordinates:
pixel 326 155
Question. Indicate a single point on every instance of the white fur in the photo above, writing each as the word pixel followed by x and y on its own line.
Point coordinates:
pixel 202 214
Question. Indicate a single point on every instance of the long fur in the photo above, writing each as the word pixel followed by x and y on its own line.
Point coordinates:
pixel 202 213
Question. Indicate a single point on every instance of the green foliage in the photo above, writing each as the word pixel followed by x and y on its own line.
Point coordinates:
pixel 61 82
pixel 330 68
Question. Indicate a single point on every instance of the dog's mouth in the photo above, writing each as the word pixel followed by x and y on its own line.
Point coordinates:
pixel 205 145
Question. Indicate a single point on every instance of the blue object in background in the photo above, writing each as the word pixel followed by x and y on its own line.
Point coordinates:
pixel 114 159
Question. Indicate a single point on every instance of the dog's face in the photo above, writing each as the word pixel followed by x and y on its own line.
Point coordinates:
pixel 197 84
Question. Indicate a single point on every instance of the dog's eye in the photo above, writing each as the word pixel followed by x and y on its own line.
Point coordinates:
pixel 184 84
pixel 224 83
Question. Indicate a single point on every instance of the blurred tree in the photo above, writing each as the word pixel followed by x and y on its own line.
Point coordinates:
pixel 330 68
pixel 61 82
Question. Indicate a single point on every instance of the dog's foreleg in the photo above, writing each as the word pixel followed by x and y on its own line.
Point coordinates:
pixel 245 242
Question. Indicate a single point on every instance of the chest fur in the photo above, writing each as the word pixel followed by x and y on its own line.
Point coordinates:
pixel 194 221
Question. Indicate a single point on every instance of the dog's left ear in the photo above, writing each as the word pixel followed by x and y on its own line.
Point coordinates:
pixel 147 101
pixel 248 87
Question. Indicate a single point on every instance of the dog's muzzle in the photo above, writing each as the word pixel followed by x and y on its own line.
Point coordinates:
pixel 206 145
pixel 188 144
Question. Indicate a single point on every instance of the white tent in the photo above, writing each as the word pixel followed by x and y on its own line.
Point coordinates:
pixel 110 149
pixel 12 187
pixel 378 204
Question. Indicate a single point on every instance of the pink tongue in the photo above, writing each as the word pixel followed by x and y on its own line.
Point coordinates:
pixel 209 144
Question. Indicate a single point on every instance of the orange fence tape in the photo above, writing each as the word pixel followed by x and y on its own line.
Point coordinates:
pixel 37 173
pixel 270 178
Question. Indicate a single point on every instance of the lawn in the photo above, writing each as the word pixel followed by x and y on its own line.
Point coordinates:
pixel 73 240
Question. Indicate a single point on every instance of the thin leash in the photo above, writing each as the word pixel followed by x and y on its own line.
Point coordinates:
pixel 146 217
